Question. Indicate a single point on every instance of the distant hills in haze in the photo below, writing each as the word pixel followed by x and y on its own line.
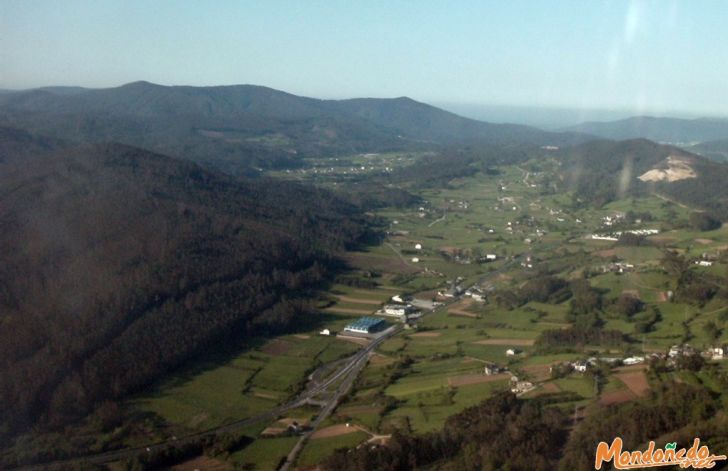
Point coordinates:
pixel 687 133
pixel 236 128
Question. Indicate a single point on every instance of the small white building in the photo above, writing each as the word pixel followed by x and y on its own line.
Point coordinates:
pixel 396 309
pixel 490 256
pixel 704 263
pixel 580 366
pixel 418 246
pixel 325 332
pixel 415 260
pixel 633 360
pixel 512 352
pixel 717 352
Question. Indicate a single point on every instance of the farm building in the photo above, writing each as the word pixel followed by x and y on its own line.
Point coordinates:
pixel 366 325
pixel 397 309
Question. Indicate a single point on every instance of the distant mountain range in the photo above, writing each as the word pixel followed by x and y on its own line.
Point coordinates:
pixel 683 132
pixel 236 128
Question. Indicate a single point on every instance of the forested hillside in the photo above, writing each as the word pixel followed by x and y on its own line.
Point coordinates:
pixel 602 171
pixel 120 264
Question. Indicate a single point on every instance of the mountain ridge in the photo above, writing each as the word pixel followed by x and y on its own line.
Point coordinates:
pixel 677 131
pixel 239 127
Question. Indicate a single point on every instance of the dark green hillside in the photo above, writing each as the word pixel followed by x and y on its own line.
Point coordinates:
pixel 119 264
pixel 714 150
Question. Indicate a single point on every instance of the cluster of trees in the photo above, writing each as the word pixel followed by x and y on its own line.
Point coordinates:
pixel 119 265
pixel 703 222
pixel 544 289
pixel 693 287
pixel 578 337
pixel 502 432
pixel 669 408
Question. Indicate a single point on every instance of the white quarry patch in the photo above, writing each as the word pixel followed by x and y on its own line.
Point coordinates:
pixel 678 168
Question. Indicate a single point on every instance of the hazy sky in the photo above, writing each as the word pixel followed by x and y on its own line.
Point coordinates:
pixel 646 56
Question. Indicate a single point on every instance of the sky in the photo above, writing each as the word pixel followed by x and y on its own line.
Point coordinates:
pixel 642 56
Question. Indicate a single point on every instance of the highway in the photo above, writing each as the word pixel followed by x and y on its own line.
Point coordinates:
pixel 350 369
pixel 349 372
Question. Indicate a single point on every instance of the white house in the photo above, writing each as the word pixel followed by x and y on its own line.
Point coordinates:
pixel 325 332
pixel 396 309
pixel 633 360
pixel 717 352
pixel 418 246
pixel 512 351
pixel 397 298
pixel 704 263
pixel 580 366
pixel 415 260
pixel 490 256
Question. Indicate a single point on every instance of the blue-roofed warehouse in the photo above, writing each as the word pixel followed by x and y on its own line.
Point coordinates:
pixel 366 325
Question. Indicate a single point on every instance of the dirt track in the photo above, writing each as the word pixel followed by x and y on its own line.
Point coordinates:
pixel 514 342
pixel 426 334
pixel 333 431
pixel 466 380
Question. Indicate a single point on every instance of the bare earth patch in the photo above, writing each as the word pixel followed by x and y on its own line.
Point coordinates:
pixel 378 359
pixel 197 420
pixel 348 299
pixel 704 241
pixel 356 340
pixel 426 334
pixel 302 336
pixel 606 253
pixel 538 373
pixel 678 168
pixel 465 380
pixel 272 431
pixel 265 396
pixel 616 397
pixel 545 388
pixel 202 462
pixel 355 410
pixel 458 309
pixel 333 431
pixel 514 342
pixel 346 310
pixel 636 381
pixel 276 347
